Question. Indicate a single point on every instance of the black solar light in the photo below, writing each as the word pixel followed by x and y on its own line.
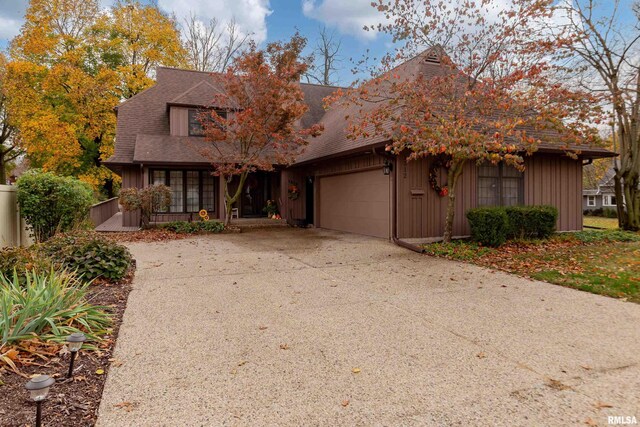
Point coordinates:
pixel 74 341
pixel 38 389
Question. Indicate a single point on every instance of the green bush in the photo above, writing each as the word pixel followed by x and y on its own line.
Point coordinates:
pixel 89 255
pixel 489 226
pixel 154 198
pixel 22 260
pixel 594 236
pixel 184 227
pixel 51 203
pixel 51 306
pixel 528 222
pixel 610 213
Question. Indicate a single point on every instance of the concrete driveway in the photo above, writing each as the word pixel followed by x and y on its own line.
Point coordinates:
pixel 309 327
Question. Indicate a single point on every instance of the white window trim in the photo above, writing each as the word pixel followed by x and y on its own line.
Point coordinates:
pixel 606 200
pixel 591 201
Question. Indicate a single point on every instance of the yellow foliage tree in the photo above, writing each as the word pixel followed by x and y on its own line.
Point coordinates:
pixel 70 66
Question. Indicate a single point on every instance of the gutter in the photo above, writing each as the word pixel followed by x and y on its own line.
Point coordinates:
pixel 394 228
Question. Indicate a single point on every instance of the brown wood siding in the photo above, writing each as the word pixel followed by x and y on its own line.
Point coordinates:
pixel 179 121
pixel 556 181
pixel 548 180
pixel 292 209
pixel 100 212
pixel 131 177
pixel 422 212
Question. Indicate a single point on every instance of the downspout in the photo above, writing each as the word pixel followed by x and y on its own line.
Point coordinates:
pixel 394 227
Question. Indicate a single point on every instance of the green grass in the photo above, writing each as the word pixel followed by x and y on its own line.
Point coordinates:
pixel 595 221
pixel 602 262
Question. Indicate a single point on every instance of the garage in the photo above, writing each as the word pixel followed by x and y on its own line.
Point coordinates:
pixel 356 202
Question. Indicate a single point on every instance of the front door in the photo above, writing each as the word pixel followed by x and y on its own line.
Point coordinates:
pixel 254 195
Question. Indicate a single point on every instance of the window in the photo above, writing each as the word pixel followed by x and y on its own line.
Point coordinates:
pixel 608 200
pixel 190 190
pixel 195 124
pixel 591 200
pixel 500 185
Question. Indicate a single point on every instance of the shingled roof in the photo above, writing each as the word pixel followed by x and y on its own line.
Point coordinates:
pixel 144 119
pixel 146 114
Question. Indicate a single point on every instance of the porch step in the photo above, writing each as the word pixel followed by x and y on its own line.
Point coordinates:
pixel 252 223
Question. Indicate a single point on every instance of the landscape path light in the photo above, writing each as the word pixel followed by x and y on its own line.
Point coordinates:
pixel 74 341
pixel 38 389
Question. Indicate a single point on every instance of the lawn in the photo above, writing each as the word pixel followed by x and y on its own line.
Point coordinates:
pixel 601 262
pixel 599 222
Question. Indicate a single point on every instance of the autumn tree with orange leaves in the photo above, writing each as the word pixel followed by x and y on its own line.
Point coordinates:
pixel 263 103
pixel 490 93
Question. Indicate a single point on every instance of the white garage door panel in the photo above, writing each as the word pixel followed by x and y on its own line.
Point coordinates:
pixel 356 202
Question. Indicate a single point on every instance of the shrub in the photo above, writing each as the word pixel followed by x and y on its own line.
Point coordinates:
pixel 89 255
pixel 184 227
pixel 22 260
pixel 154 198
pixel 489 226
pixel 51 203
pixel 51 306
pixel 526 222
pixel 610 213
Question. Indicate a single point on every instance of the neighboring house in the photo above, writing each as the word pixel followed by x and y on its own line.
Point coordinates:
pixel 341 183
pixel 603 196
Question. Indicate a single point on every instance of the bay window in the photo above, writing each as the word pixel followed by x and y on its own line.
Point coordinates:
pixel 191 190
pixel 500 185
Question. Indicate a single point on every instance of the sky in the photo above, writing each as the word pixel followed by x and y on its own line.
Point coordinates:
pixel 270 20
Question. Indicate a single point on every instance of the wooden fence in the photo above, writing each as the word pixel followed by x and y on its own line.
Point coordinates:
pixel 100 212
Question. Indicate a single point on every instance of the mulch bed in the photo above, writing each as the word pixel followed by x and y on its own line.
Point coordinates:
pixel 71 402
pixel 159 235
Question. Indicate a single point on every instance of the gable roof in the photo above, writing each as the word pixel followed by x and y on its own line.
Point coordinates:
pixel 146 113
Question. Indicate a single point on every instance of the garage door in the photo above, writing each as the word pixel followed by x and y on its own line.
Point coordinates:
pixel 356 202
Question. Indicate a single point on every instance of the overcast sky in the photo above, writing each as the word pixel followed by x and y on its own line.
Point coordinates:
pixel 270 20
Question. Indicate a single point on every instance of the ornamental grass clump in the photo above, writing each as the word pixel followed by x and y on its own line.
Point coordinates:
pixel 51 306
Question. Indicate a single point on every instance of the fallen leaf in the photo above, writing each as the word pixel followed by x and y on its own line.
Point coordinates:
pixel 242 362
pixel 481 355
pixel 262 328
pixel 356 370
pixel 601 405
pixel 99 371
pixel 345 403
pixel 587 367
pixel 284 346
pixel 589 421
pixel 234 371
pixel 127 406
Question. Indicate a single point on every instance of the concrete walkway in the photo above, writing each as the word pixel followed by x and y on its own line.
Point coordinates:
pixel 306 327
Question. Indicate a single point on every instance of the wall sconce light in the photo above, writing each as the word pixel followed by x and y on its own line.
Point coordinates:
pixel 38 389
pixel 74 341
pixel 387 167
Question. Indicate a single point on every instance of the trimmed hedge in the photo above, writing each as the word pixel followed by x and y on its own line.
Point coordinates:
pixel 89 255
pixel 50 203
pixel 527 222
pixel 489 226
pixel 492 226
pixel 184 227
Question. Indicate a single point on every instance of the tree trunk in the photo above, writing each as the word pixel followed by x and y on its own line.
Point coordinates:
pixel 3 169
pixel 230 200
pixel 617 181
pixel 632 202
pixel 452 180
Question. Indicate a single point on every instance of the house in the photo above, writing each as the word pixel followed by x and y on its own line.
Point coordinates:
pixel 337 183
pixel 603 196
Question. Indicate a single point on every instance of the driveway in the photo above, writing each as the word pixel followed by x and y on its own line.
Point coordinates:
pixel 310 327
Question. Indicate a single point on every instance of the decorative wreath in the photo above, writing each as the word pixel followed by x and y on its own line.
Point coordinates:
pixel 293 192
pixel 440 162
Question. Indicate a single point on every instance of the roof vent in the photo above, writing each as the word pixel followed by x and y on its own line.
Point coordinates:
pixel 432 58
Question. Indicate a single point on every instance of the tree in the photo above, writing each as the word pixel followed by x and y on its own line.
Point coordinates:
pixel 483 101
pixel 263 104
pixel 10 148
pixel 605 55
pixel 136 38
pixel 70 66
pixel 211 47
pixel 325 58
